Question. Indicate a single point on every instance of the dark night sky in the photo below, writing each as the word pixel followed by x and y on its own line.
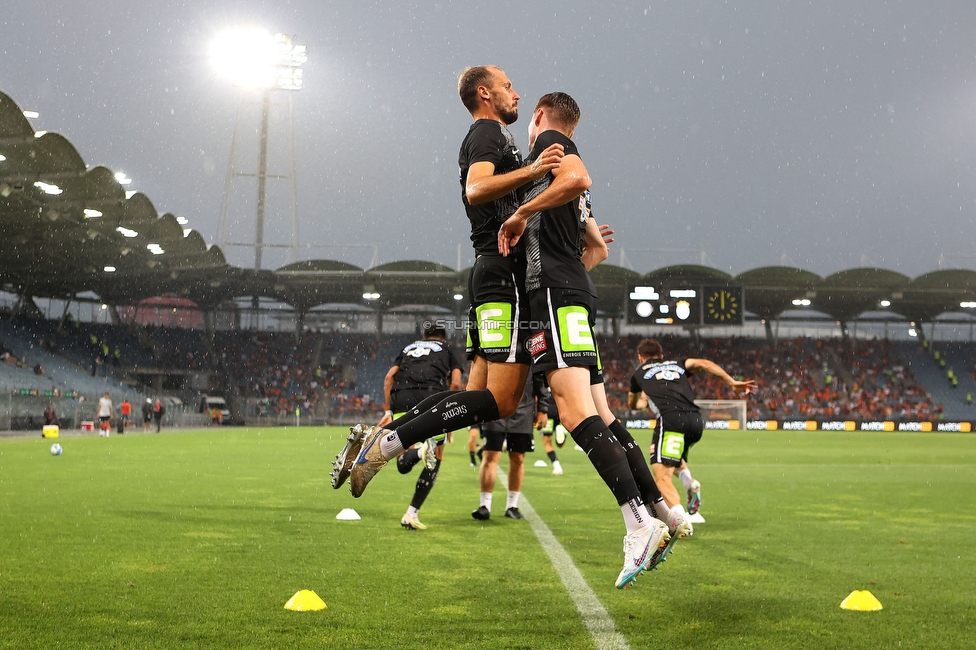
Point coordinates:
pixel 826 135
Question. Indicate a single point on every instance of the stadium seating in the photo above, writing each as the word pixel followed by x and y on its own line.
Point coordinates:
pixel 797 379
pixel 340 375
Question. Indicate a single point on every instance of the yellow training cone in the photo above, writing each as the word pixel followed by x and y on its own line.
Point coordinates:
pixel 861 601
pixel 305 601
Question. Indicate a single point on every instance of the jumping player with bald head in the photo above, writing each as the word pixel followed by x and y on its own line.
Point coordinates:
pixel 491 176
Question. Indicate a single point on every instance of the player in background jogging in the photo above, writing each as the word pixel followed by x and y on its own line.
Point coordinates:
pixel 664 382
pixel 423 368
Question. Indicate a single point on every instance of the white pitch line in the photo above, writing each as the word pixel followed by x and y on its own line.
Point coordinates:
pixel 595 616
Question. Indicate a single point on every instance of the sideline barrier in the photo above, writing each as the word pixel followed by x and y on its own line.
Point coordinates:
pixel 946 426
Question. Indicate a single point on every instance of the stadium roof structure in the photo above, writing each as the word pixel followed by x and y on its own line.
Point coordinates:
pixel 66 229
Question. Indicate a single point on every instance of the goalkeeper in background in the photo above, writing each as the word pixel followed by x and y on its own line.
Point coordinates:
pixel 664 383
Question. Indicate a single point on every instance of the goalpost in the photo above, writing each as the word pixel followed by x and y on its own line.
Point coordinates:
pixel 728 414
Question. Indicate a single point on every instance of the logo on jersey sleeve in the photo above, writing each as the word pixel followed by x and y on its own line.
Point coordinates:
pixel 584 206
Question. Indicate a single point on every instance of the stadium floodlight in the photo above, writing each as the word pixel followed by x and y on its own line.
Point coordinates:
pixel 48 188
pixel 122 178
pixel 31 114
pixel 125 232
pixel 801 302
pixel 92 214
pixel 253 58
pixel 370 293
pixel 968 304
pixel 885 303
pixel 109 269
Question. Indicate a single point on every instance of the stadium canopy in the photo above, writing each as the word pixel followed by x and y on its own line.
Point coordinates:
pixel 67 229
pixel 846 294
pixel 771 290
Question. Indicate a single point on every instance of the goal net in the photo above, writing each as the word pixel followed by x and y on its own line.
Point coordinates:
pixel 727 414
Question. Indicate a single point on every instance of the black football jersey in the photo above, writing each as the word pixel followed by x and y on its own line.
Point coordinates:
pixel 554 238
pixel 425 365
pixel 665 382
pixel 489 141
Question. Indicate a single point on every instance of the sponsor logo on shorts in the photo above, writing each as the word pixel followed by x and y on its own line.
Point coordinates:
pixel 537 344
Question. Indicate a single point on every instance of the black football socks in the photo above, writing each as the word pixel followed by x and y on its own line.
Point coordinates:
pixel 424 485
pixel 649 490
pixel 608 457
pixel 458 411
pixel 422 406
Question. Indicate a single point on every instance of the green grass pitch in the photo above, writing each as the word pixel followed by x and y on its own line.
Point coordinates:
pixel 197 539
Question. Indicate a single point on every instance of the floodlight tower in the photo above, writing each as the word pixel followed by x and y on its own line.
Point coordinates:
pixel 253 59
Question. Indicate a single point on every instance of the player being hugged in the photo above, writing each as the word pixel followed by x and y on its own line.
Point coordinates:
pixel 555 226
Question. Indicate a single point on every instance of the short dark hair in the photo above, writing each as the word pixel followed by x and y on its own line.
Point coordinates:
pixel 469 81
pixel 561 108
pixel 434 330
pixel 650 348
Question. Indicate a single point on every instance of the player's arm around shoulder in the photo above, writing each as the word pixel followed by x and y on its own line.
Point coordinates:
pixel 570 180
pixel 482 185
